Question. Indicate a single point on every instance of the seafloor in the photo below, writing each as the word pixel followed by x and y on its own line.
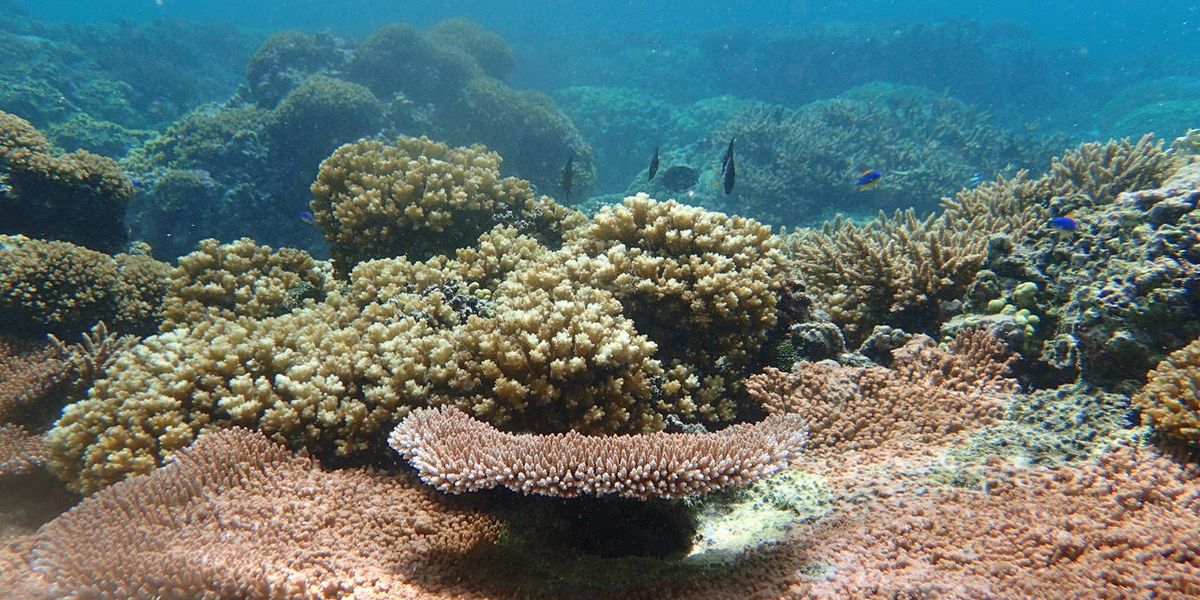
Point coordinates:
pixel 378 326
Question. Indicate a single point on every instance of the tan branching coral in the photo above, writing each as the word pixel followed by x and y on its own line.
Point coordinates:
pixel 931 393
pixel 1170 400
pixel 241 278
pixel 418 198
pixel 700 284
pixel 1098 172
pixel 78 196
pixel 895 270
pixel 88 359
pixel 455 454
pixel 62 288
pixel 238 516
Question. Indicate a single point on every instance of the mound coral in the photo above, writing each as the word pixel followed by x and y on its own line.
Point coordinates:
pixel 78 197
pixel 61 288
pixel 418 198
pixel 397 58
pixel 455 453
pixel 286 58
pixel 240 279
pixel 488 49
pixel 319 115
pixel 700 284
pixel 1170 400
pixel 310 533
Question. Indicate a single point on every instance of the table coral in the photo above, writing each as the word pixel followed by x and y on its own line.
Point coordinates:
pixel 238 516
pixel 455 453
pixel 78 197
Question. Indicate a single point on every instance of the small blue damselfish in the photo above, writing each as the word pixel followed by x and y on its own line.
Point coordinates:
pixel 869 179
pixel 1066 222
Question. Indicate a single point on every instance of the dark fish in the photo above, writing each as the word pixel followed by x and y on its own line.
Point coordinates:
pixel 307 217
pixel 1066 223
pixel 730 171
pixel 137 183
pixel 568 173
pixel 727 157
pixel 869 179
pixel 653 164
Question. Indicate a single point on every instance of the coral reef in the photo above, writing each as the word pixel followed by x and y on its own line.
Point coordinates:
pixel 319 115
pixel 418 198
pixel 510 332
pixel 455 453
pixel 78 197
pixel 397 58
pixel 490 51
pixel 61 288
pixel 20 451
pixel 30 374
pixel 370 530
pixel 1170 400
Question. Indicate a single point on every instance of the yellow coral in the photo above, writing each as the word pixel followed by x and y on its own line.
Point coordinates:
pixel 1170 400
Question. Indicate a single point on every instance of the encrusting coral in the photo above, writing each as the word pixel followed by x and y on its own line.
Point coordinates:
pixel 455 453
pixel 61 288
pixel 20 451
pixel 78 197
pixel 202 531
pixel 1170 400
pixel 418 198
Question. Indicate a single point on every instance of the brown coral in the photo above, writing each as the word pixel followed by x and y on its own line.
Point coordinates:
pixel 30 374
pixel 237 516
pixel 1170 400
pixel 455 454
pixel 78 197
pixel 419 198
pixel 931 393
pixel 61 288
pixel 20 451
pixel 1097 172
pixel 240 278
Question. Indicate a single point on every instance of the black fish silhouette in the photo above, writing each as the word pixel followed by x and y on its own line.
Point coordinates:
pixel 727 157
pixel 653 164
pixel 568 172
pixel 730 171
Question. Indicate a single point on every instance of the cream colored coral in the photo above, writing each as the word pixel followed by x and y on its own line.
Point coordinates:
pixel 701 284
pixel 1170 400
pixel 241 278
pixel 419 198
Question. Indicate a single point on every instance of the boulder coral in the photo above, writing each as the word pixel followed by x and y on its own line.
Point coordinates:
pixel 78 197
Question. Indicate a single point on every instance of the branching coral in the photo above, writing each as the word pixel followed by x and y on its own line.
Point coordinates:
pixel 455 454
pixel 29 374
pixel 931 393
pixel 1170 400
pixel 418 198
pixel 237 516
pixel 62 288
pixel 700 284
pixel 1099 172
pixel 240 279
pixel 78 197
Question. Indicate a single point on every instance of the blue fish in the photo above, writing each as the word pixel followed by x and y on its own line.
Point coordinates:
pixel 307 217
pixel 137 183
pixel 976 179
pixel 1066 223
pixel 869 179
